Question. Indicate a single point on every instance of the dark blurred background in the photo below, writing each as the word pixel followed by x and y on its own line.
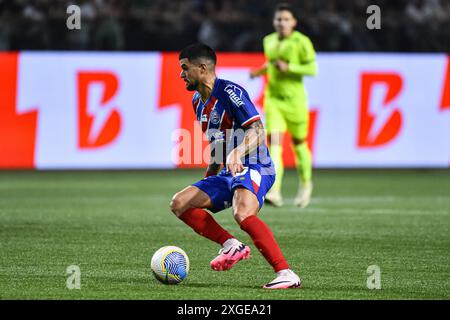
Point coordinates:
pixel 226 25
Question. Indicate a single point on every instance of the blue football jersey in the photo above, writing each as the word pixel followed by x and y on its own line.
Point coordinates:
pixel 224 118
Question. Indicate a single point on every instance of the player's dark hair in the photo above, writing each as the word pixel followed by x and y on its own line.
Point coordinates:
pixel 197 51
pixel 284 6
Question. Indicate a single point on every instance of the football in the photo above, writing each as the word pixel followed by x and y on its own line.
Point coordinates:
pixel 170 265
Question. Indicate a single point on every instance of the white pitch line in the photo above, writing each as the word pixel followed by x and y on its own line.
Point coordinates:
pixel 371 199
pixel 311 209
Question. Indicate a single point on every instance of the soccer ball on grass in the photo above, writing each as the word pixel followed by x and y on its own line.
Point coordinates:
pixel 170 265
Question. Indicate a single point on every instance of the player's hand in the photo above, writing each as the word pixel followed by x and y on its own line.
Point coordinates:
pixel 281 65
pixel 234 163
pixel 254 74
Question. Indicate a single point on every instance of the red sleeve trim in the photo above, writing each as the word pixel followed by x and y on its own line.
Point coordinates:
pixel 251 120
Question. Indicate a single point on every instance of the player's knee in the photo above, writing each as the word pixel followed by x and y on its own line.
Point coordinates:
pixel 242 212
pixel 242 215
pixel 245 204
pixel 297 141
pixel 177 204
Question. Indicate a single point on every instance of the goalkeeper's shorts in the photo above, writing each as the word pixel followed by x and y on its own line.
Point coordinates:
pixel 289 115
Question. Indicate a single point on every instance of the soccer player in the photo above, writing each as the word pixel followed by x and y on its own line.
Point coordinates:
pixel 235 132
pixel 290 56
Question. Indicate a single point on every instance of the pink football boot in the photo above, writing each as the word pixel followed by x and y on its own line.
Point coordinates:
pixel 232 252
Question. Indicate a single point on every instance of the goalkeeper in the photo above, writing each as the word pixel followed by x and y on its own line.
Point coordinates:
pixel 290 56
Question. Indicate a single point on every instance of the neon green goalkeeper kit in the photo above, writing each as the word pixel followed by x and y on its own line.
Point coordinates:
pixel 285 102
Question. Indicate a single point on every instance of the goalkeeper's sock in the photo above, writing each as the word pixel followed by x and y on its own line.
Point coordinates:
pixel 264 240
pixel 205 225
pixel 276 154
pixel 304 162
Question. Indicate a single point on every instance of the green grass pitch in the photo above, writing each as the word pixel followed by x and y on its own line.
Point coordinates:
pixel 110 223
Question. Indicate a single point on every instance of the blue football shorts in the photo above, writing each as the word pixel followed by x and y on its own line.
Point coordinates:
pixel 220 188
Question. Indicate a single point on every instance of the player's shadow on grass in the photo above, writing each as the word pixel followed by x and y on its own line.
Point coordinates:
pixel 221 285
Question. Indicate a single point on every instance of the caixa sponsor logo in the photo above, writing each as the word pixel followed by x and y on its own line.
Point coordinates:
pixel 235 98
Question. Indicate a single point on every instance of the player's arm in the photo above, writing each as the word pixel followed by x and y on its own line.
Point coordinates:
pixel 253 137
pixel 306 69
pixel 213 166
pixel 308 65
pixel 259 72
pixel 263 69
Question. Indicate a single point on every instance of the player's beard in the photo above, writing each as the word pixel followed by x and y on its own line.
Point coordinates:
pixel 192 86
